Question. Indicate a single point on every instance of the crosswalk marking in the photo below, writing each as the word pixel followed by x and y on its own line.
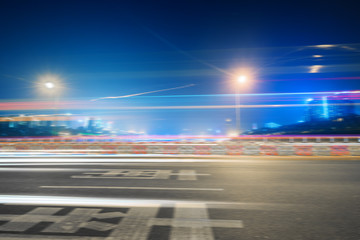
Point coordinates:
pixel 193 223
pixel 71 223
pixel 26 221
pixel 135 226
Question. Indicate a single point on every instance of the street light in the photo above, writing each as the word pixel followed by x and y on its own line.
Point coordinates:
pixel 49 85
pixel 240 80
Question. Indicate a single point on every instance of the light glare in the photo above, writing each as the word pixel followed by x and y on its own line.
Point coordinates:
pixel 242 79
pixel 49 85
pixel 315 68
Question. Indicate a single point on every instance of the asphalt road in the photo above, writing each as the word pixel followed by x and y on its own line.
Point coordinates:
pixel 180 199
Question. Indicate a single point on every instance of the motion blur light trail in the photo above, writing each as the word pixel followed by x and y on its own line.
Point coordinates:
pixel 143 93
pixel 182 107
pixel 138 103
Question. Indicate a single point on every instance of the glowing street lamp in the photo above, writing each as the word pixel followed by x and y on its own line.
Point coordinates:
pixel 49 85
pixel 240 80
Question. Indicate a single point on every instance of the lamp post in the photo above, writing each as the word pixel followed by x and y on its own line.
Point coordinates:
pixel 240 80
pixel 50 85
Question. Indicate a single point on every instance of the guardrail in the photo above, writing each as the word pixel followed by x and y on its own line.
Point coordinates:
pixel 205 148
pixel 184 139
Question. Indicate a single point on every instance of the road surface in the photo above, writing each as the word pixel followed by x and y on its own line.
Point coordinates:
pixel 180 199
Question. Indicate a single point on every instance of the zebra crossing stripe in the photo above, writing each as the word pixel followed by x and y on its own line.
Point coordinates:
pixel 190 221
pixel 135 227
pixel 193 222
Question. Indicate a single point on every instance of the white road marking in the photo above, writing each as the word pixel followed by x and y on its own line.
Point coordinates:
pixel 134 188
pixel 42 237
pixel 42 169
pixel 193 223
pixel 189 222
pixel 70 223
pixel 135 226
pixel 140 174
pixel 187 175
pixel 136 202
pixel 127 174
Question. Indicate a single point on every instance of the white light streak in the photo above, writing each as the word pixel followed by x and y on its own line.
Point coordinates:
pixel 133 202
pixel 325 46
pixel 143 93
pixel 315 68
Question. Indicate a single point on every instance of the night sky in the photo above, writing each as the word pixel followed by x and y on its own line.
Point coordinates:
pixel 116 48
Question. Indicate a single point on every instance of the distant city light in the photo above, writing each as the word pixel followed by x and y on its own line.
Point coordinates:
pixel 317 56
pixel 232 134
pixel 315 68
pixel 325 46
pixel 325 107
pixel 309 99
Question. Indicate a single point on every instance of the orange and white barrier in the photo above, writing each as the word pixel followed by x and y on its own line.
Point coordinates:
pixel 184 149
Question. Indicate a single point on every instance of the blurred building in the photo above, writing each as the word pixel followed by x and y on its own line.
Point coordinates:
pixel 329 108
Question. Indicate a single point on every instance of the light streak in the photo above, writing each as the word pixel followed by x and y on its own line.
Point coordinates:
pixel 262 94
pixel 84 104
pixel 138 94
pixel 325 107
pixel 315 68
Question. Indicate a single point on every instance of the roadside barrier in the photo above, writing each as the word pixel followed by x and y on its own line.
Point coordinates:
pixel 170 149
pixel 285 150
pixel 354 150
pixel 202 150
pixel 109 149
pixel 139 149
pixel 321 150
pixel 154 149
pixel 218 150
pixel 252 150
pixel 268 150
pixel 22 147
pixel 339 150
pixel 184 149
pixel 303 150
pixel 235 150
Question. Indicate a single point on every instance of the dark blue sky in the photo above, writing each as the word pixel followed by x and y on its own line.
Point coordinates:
pixel 113 48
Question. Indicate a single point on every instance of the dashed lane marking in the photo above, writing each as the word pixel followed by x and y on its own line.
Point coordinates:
pixel 193 223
